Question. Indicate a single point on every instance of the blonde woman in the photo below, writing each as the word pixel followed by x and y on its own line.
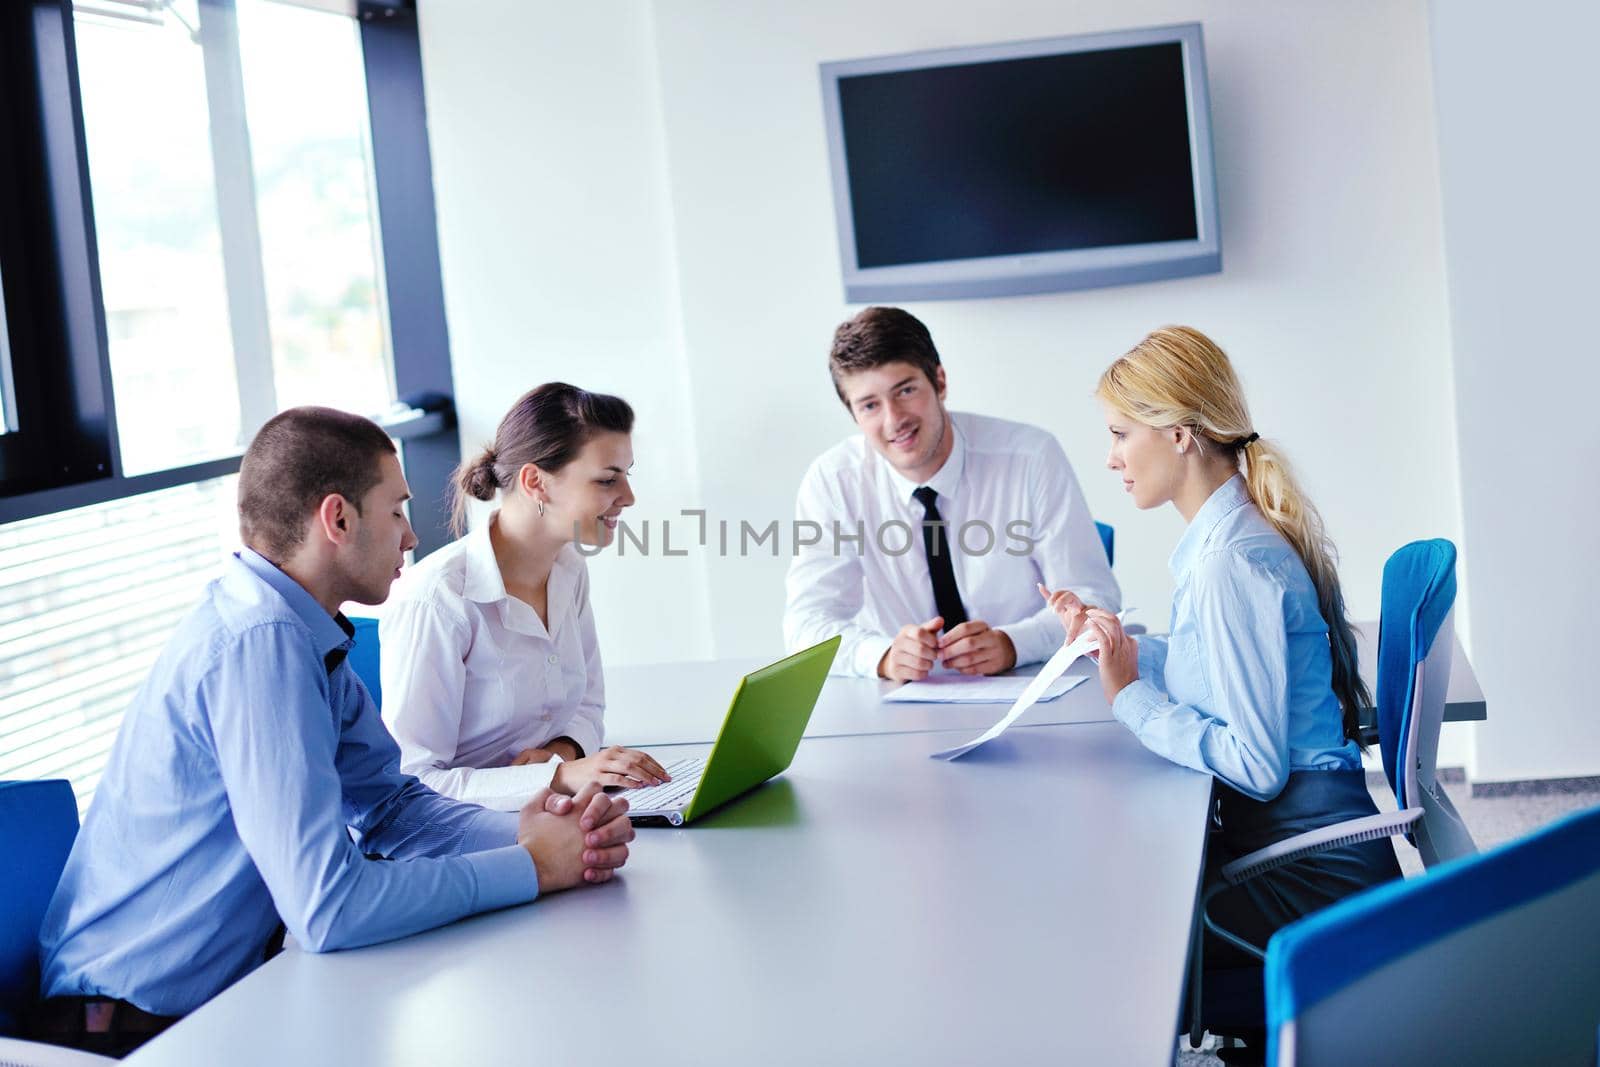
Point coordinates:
pixel 1257 683
pixel 492 682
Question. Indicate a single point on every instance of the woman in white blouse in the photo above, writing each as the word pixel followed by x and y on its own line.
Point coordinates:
pixel 491 673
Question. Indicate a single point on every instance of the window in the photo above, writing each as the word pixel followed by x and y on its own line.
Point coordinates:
pixel 307 104
pixel 234 211
pixel 193 221
pixel 87 600
pixel 159 241
pixel 219 191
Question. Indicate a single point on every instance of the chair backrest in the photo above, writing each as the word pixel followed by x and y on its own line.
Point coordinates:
pixel 1108 538
pixel 363 658
pixel 38 822
pixel 1490 959
pixel 1419 590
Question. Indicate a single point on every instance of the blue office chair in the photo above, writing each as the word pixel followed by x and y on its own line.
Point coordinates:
pixel 1489 959
pixel 363 658
pixel 38 822
pixel 1414 651
pixel 1108 538
pixel 1415 645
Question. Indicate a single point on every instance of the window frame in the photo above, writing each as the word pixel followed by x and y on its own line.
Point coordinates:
pixel 63 452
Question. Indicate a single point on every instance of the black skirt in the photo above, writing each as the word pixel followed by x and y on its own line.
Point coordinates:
pixel 1309 800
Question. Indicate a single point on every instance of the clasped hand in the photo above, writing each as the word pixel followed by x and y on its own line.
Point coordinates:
pixel 974 647
pixel 574 840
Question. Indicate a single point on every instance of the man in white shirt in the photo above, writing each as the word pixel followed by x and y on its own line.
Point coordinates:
pixel 937 527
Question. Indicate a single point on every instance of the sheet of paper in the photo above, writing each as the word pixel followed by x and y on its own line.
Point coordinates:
pixel 970 689
pixel 1065 657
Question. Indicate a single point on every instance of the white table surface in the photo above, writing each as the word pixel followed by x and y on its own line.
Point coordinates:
pixel 1029 903
pixel 684 703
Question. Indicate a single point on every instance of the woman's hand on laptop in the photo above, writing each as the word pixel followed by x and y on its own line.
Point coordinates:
pixel 624 768
pixel 574 840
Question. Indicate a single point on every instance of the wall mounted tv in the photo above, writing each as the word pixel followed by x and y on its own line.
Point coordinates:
pixel 1030 167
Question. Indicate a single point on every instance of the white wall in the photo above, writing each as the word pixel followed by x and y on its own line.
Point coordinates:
pixel 636 196
pixel 556 245
pixel 1331 299
pixel 1519 157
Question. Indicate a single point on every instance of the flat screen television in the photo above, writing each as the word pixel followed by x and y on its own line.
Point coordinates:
pixel 1029 167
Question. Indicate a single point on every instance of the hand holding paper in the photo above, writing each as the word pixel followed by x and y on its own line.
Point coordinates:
pixel 1057 665
pixel 1071 612
pixel 1119 653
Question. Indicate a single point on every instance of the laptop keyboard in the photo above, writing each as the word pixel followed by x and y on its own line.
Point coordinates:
pixel 668 795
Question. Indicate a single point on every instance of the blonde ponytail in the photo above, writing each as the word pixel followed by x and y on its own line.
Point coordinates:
pixel 1177 376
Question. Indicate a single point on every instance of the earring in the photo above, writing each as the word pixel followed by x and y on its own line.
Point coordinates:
pixel 541 506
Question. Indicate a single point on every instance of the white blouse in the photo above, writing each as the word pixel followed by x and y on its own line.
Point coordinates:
pixel 471 676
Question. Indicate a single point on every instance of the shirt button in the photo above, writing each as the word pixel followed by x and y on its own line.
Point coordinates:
pixel 545 717
pixel 554 658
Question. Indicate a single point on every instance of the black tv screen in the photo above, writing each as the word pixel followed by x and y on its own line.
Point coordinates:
pixel 1022 153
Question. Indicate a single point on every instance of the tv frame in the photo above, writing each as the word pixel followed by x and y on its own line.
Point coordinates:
pixel 1033 272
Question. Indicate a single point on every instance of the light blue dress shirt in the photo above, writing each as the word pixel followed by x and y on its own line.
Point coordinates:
pixel 225 803
pixel 1242 687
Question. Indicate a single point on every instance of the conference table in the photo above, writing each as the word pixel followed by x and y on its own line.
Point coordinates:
pixel 1029 902
pixel 1032 899
pixel 683 703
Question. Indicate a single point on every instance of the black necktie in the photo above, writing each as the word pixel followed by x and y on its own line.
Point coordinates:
pixel 941 568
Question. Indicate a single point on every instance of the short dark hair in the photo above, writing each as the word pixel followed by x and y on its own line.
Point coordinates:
pixel 547 427
pixel 879 335
pixel 297 459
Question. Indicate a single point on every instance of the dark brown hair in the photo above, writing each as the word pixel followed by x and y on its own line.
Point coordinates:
pixel 300 457
pixel 548 427
pixel 880 335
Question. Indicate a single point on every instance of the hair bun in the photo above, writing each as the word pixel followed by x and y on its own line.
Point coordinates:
pixel 481 480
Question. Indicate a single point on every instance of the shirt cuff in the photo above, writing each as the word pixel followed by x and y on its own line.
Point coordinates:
pixel 500 789
pixel 869 653
pixel 584 735
pixel 526 780
pixel 1031 645
pixel 1137 702
pixel 505 876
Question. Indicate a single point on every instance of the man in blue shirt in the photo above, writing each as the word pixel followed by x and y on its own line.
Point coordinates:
pixel 251 757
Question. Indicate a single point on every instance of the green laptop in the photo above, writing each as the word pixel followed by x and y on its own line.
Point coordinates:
pixel 758 739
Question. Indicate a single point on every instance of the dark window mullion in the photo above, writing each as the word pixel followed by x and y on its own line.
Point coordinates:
pixel 409 236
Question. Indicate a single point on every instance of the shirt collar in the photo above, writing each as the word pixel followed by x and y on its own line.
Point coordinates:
pixel 484 583
pixel 946 480
pixel 333 634
pixel 1227 498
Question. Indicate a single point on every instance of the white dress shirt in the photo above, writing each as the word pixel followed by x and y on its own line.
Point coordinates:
pixel 1002 477
pixel 471 676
